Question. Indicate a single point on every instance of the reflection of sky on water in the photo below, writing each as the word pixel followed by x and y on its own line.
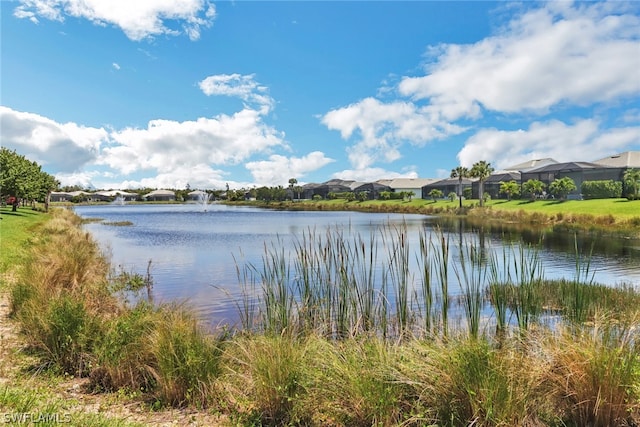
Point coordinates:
pixel 192 251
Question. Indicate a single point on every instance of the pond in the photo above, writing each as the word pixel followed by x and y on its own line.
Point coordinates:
pixel 196 250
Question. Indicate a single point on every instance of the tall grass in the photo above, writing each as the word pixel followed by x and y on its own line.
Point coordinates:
pixel 595 375
pixel 73 322
pixel 471 272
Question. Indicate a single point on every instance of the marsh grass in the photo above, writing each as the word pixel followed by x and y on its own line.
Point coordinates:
pixel 595 374
pixel 261 382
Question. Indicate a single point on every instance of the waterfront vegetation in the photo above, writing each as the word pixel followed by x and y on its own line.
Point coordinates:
pixel 620 216
pixel 336 332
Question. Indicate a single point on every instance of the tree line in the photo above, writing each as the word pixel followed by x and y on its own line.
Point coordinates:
pixel 23 181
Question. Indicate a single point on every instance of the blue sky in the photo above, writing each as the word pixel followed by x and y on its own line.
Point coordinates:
pixel 165 93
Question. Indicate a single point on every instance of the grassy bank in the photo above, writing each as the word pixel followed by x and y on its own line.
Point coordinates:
pixel 618 216
pixel 323 345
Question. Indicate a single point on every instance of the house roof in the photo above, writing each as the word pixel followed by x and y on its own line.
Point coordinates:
pixel 628 159
pixel 114 193
pixel 408 182
pixel 531 164
pixel 452 181
pixel 372 186
pixel 503 176
pixel 160 193
pixel 567 167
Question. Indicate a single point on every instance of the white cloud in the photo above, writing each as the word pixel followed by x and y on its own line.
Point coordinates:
pixel 553 55
pixel 582 141
pixel 372 174
pixel 137 18
pixel 383 127
pixel 116 66
pixel 165 145
pixel 59 147
pixel 197 176
pixel 236 85
pixel 279 169
pixel 83 179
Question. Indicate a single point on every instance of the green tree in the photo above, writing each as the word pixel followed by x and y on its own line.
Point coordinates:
pixel 292 187
pixel 561 187
pixel 481 170
pixel 436 194
pixel 460 172
pixel 23 179
pixel 452 196
pixel 631 180
pixel 533 187
pixel 510 188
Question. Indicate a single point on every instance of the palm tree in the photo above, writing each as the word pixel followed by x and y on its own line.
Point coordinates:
pixel 561 187
pixel 481 170
pixel 510 188
pixel 632 180
pixel 460 172
pixel 533 187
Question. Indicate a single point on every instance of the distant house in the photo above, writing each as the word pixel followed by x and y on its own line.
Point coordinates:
pixel 111 195
pixel 333 186
pixel 373 189
pixel 160 196
pixel 60 196
pixel 626 160
pixel 494 181
pixel 198 196
pixel 531 164
pixel 447 185
pixel 408 185
pixel 577 171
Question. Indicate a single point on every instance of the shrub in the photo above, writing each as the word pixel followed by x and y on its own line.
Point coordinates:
pixel 604 189
pixel 187 361
pixel 62 333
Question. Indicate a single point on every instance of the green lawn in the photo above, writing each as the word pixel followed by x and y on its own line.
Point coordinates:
pixel 619 208
pixel 16 228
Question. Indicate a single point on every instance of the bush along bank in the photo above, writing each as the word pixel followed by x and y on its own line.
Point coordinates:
pixel 338 355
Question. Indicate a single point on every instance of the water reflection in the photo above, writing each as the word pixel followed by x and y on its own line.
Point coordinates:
pixel 194 252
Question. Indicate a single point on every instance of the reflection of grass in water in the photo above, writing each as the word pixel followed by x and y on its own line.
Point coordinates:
pixel 90 220
pixel 119 223
pixel 113 223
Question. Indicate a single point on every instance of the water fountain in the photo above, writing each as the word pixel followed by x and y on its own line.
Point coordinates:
pixel 119 200
pixel 203 200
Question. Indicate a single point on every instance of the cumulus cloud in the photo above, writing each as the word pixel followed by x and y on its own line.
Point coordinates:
pixel 165 144
pixel 241 86
pixel 277 170
pixel 383 127
pixel 581 141
pixel 548 56
pixel 138 19
pixel 372 174
pixel 199 175
pixel 547 59
pixel 65 147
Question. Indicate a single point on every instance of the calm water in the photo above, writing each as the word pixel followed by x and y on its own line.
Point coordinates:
pixel 194 252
